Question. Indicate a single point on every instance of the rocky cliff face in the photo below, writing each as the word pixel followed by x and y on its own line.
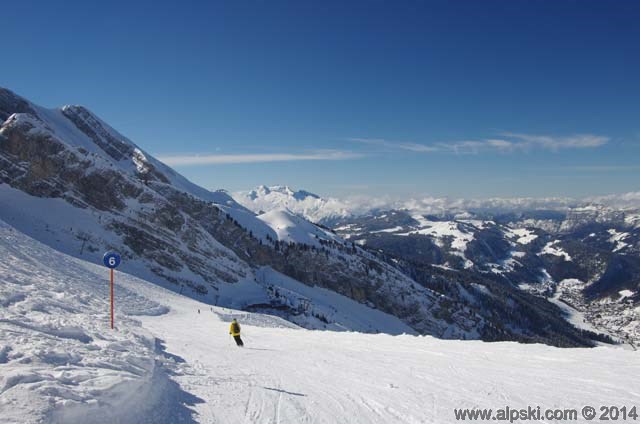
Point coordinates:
pixel 134 205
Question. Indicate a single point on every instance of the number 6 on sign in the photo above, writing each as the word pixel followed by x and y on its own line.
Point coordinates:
pixel 111 260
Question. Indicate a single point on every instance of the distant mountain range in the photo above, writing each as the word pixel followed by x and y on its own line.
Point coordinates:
pixel 328 210
pixel 300 202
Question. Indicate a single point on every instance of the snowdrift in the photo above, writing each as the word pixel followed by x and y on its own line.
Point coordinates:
pixel 59 361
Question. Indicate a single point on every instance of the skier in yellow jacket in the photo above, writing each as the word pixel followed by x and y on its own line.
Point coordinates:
pixel 234 330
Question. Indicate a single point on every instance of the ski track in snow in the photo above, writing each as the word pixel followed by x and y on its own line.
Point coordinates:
pixel 53 305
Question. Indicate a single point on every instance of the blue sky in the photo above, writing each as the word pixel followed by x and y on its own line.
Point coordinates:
pixel 446 98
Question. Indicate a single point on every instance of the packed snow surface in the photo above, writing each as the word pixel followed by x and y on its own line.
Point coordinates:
pixel 293 376
pixel 171 360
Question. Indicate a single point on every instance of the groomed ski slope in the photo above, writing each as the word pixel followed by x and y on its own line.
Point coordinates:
pixel 192 371
pixel 300 376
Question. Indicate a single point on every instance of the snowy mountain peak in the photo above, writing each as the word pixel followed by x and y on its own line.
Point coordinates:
pixel 284 190
pixel 300 202
pixel 260 191
pixel 299 195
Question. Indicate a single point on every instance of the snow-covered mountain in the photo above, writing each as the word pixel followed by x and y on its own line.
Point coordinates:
pixel 71 181
pixel 308 205
pixel 75 183
pixel 170 359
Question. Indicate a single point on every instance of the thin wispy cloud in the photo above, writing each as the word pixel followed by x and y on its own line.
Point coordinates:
pixel 412 147
pixel 221 159
pixel 477 146
pixel 506 142
pixel 578 141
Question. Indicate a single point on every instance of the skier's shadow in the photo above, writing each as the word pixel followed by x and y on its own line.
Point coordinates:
pixel 284 391
pixel 255 348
